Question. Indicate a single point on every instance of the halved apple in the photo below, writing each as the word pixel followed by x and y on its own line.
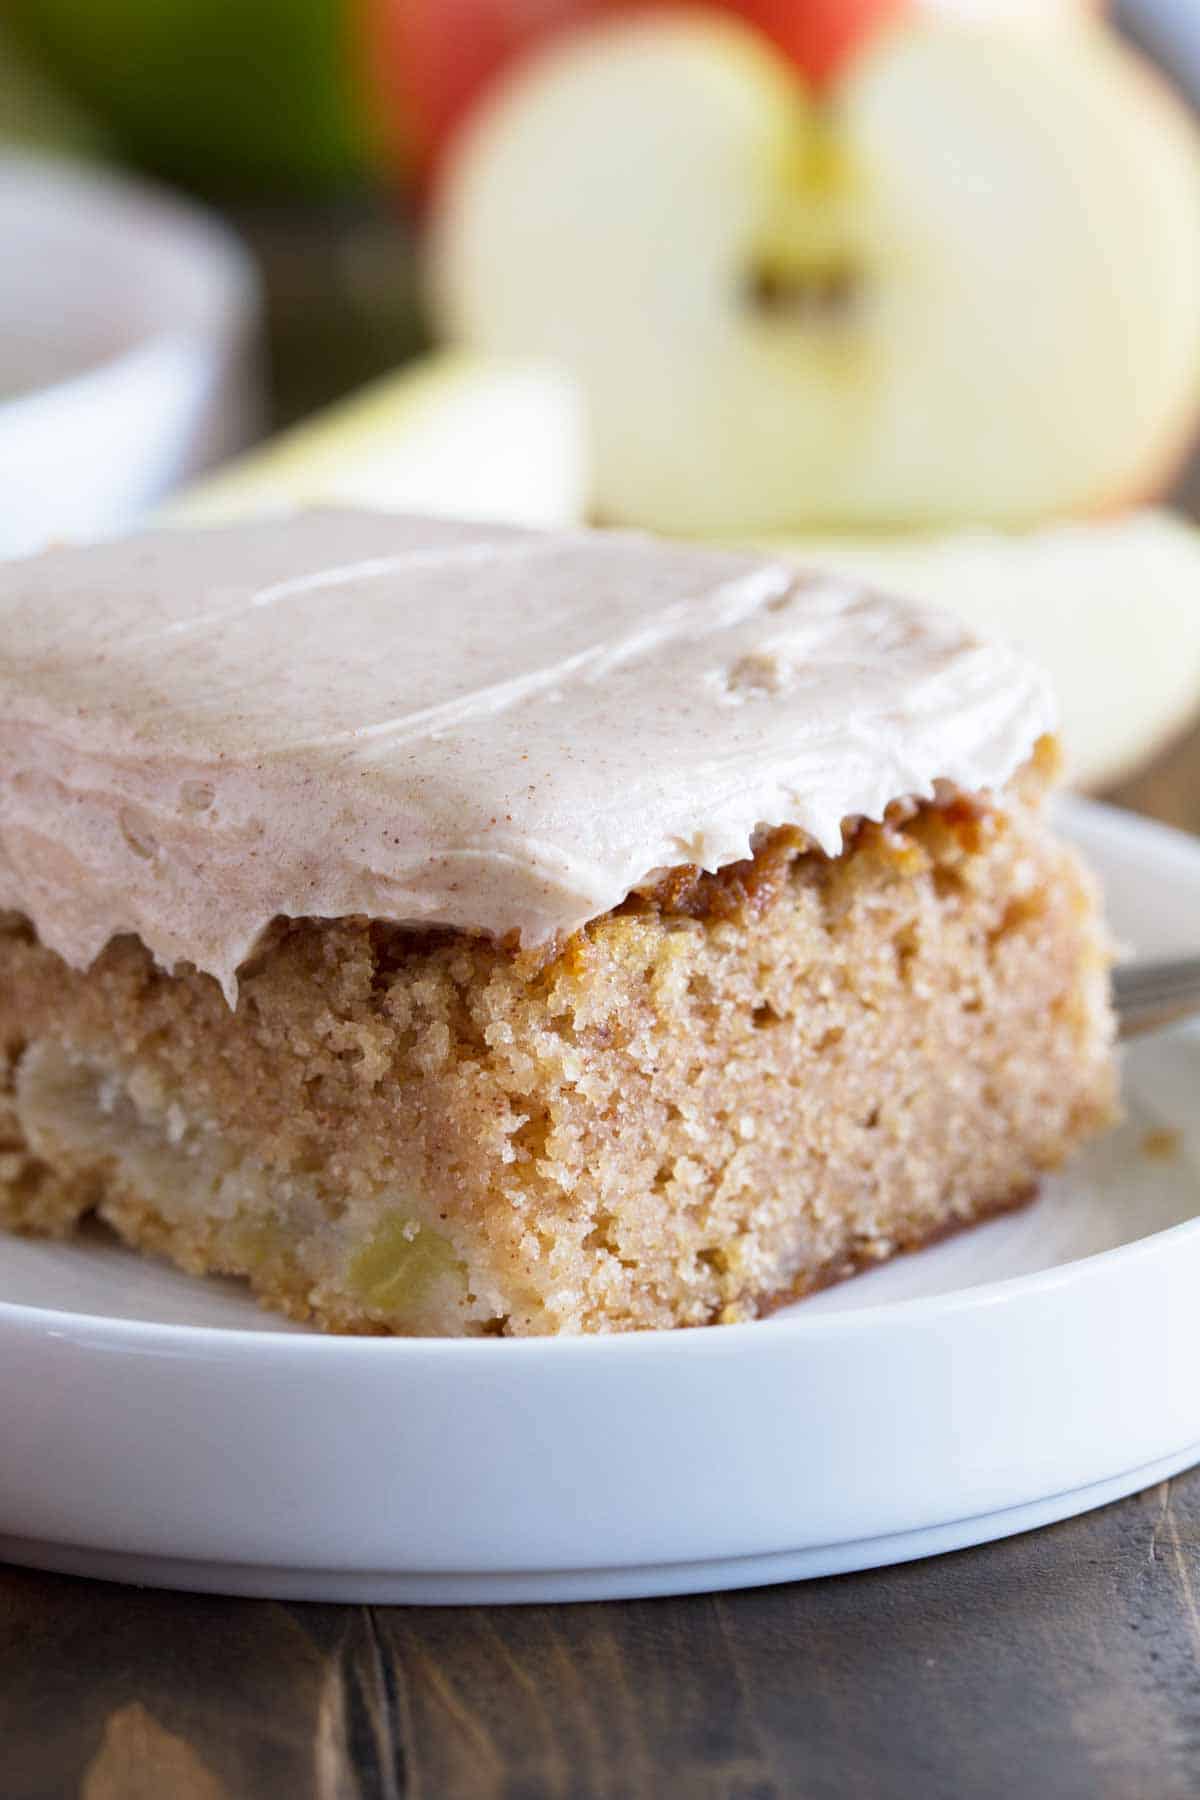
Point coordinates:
pixel 430 61
pixel 965 286
pixel 457 436
pixel 1111 609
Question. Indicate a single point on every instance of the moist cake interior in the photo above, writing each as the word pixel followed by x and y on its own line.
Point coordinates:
pixel 729 1090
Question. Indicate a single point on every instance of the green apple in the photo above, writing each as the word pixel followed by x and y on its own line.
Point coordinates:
pixel 456 436
pixel 34 112
pixel 217 93
pixel 962 285
pixel 1110 608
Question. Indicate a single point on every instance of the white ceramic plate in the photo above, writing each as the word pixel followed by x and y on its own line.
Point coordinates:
pixel 162 1430
pixel 126 348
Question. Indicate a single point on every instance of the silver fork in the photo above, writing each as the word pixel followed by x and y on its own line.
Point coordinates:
pixel 1147 995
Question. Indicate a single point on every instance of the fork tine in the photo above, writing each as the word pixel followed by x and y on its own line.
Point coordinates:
pixel 1148 995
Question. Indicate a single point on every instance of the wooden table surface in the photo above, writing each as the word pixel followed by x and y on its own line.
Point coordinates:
pixel 1063 1665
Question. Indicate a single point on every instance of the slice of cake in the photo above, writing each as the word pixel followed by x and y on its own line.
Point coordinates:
pixel 459 930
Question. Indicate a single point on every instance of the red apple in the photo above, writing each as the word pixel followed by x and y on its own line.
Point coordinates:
pixel 819 36
pixel 429 60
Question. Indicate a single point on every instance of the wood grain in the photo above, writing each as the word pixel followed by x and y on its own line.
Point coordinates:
pixel 1170 788
pixel 1062 1665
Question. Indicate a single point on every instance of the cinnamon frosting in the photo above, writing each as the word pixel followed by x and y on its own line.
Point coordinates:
pixel 435 723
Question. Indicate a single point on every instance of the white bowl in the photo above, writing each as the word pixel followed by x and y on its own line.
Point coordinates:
pixel 127 325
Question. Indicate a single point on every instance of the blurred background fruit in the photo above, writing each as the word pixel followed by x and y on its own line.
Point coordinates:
pixel 451 435
pixel 36 111
pixel 291 97
pixel 435 59
pixel 223 95
pixel 432 61
pixel 963 286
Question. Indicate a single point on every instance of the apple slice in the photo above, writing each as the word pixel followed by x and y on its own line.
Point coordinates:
pixel 1111 609
pixel 965 288
pixel 453 435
